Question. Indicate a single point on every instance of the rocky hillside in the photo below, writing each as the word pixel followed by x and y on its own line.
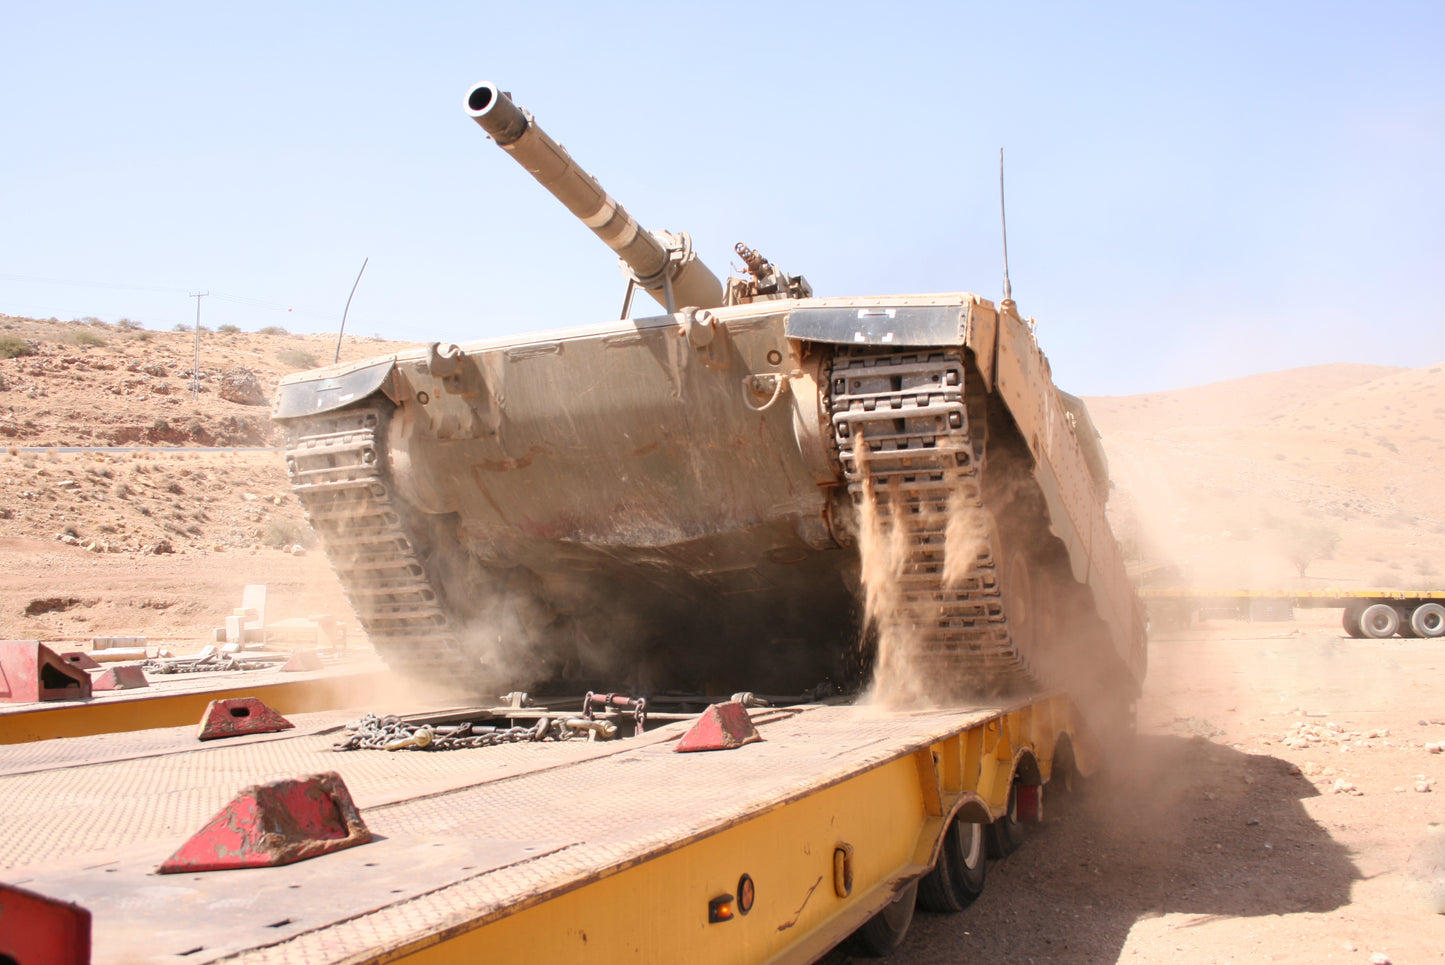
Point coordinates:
pixel 77 384
pixel 66 384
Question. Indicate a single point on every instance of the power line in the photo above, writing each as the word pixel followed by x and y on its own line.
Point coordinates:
pixel 246 300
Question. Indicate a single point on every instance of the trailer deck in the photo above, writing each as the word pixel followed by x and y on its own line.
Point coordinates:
pixel 551 849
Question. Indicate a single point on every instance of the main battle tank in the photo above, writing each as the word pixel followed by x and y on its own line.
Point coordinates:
pixel 758 489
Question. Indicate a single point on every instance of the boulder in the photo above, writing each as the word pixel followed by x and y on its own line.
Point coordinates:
pixel 241 386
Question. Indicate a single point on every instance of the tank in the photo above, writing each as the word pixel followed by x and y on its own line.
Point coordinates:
pixel 757 489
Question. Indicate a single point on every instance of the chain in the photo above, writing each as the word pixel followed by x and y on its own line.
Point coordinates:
pixel 204 666
pixel 391 733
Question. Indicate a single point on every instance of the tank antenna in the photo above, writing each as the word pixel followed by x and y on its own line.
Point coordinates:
pixel 1008 295
pixel 337 357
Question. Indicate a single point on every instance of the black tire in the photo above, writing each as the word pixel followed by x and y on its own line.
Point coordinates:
pixel 884 932
pixel 1428 620
pixel 958 877
pixel 1351 621
pixel 1006 833
pixel 1379 620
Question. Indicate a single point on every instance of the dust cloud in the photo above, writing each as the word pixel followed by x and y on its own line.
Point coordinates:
pixel 902 676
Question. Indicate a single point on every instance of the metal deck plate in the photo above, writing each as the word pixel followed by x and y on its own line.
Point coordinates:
pixel 586 810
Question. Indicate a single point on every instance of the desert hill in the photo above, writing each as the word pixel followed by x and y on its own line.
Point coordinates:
pixel 158 540
pixel 1241 482
pixel 92 384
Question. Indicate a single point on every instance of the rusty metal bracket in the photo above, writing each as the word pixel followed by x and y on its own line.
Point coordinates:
pixel 721 727
pixel 31 671
pixel 239 715
pixel 274 824
pixel 127 676
pixel 34 928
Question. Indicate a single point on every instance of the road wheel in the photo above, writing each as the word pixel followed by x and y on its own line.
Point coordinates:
pixel 1006 833
pixel 1352 620
pixel 957 879
pixel 1428 620
pixel 883 933
pixel 1379 620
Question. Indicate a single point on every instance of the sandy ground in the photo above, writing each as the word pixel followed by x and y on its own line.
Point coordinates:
pixel 173 600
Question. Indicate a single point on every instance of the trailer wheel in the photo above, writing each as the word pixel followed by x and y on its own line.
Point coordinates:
pixel 1352 620
pixel 883 933
pixel 1379 620
pixel 1428 620
pixel 957 879
pixel 1006 833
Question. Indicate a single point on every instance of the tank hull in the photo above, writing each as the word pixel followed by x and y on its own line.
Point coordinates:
pixel 668 503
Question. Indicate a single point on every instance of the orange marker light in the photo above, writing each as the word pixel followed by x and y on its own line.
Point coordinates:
pixel 720 909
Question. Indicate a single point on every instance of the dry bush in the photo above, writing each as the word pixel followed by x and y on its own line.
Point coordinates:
pixel 297 358
pixel 13 347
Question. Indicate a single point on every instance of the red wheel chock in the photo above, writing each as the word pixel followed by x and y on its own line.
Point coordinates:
pixel 239 715
pixel 721 727
pixel 274 824
pixel 30 671
pixel 122 677
pixel 42 929
pixel 80 659
pixel 302 660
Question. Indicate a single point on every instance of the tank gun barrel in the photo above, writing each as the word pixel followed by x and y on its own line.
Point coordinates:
pixel 661 262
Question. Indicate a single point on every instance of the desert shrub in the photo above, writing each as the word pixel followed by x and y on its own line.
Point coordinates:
pixel 87 339
pixel 128 325
pixel 180 327
pixel 1303 543
pixel 229 329
pixel 297 358
pixel 273 330
pixel 283 533
pixel 13 346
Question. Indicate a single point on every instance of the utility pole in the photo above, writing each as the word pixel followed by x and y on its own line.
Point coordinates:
pixel 196 372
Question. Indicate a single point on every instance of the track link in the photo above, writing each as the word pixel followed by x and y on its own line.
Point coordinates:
pixel 902 431
pixel 335 464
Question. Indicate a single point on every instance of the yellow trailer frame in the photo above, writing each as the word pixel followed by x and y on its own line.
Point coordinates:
pixel 622 848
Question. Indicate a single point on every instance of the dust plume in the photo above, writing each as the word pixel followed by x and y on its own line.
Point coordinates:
pixel 905 674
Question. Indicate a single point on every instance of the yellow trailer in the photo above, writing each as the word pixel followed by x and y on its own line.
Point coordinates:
pixel 832 825
pixel 1374 613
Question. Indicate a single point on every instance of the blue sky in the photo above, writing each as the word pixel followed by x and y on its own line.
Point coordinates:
pixel 1197 191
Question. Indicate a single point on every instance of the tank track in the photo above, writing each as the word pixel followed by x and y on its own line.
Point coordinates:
pixel 901 427
pixel 335 463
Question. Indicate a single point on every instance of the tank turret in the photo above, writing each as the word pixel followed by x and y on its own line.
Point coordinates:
pixel 661 262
